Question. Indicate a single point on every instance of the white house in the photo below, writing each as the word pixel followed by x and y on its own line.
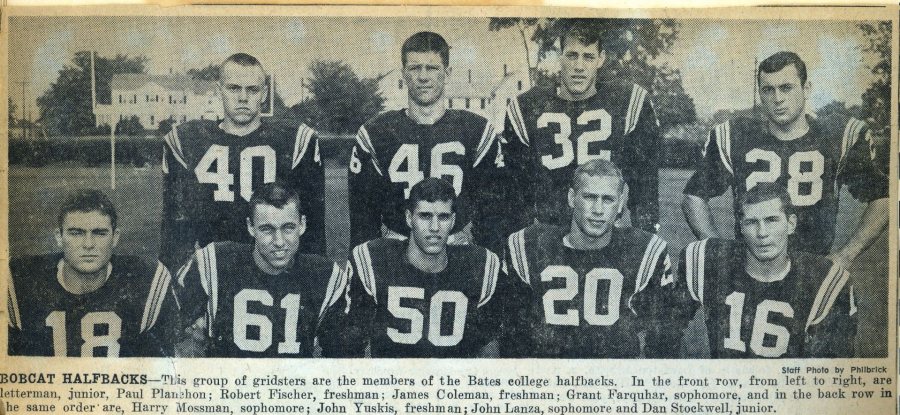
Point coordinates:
pixel 153 98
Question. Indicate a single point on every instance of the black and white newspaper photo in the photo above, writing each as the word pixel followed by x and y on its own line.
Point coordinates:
pixel 463 210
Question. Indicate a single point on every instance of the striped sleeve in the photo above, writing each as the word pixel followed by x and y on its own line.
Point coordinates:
pixel 852 131
pixel 518 259
pixel 209 279
pixel 828 292
pixel 174 143
pixel 362 261
pixel 635 105
pixel 162 279
pixel 694 268
pixel 304 137
pixel 364 143
pixel 337 286
pixel 488 136
pixel 653 254
pixel 489 282
pixel 12 305
pixel 723 142
pixel 514 116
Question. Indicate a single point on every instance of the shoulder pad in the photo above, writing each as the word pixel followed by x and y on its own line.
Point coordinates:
pixel 362 260
pixel 489 281
pixel 853 129
pixel 694 268
pixel 159 288
pixel 518 255
pixel 829 290
pixel 337 285
pixel 303 137
pixel 635 104
pixel 364 143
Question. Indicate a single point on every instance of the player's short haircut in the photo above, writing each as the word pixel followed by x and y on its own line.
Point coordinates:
pixel 432 189
pixel 764 192
pixel 426 42
pixel 597 167
pixel 242 59
pixel 88 200
pixel 274 194
pixel 583 33
pixel 779 61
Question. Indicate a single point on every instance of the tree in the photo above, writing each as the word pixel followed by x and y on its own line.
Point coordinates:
pixel 12 113
pixel 129 126
pixel 877 98
pixel 65 107
pixel 631 46
pixel 209 73
pixel 341 100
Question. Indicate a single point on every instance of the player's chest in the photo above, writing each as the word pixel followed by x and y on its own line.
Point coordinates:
pixel 808 171
pixel 564 135
pixel 410 160
pixel 78 329
pixel 231 172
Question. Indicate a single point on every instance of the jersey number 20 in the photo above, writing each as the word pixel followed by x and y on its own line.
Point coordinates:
pixel 224 179
pixel 570 290
pixel 89 323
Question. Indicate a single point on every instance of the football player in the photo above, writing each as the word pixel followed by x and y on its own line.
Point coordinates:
pixel 87 301
pixel 211 168
pixel 763 299
pixel 419 297
pixel 397 149
pixel 264 299
pixel 812 157
pixel 592 289
pixel 551 131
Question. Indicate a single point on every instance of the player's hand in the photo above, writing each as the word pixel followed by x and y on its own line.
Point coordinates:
pixel 841 260
pixel 197 331
pixel 463 237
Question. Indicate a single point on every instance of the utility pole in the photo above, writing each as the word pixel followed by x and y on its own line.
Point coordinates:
pixel 22 108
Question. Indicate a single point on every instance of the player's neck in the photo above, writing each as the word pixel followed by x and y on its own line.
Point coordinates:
pixel 768 271
pixel 426 115
pixel 790 131
pixel 267 268
pixel 567 95
pixel 576 239
pixel 431 264
pixel 239 130
pixel 79 283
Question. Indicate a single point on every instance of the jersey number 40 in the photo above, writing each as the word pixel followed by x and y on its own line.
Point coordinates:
pixel 568 293
pixel 222 177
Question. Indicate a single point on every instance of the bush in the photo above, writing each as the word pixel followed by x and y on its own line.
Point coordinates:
pixel 130 126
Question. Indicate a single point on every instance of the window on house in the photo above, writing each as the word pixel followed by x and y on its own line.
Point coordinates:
pixel 482 103
pixel 400 84
pixel 450 103
pixel 519 85
pixel 120 98
pixel 184 118
pixel 184 100
pixel 152 120
pixel 157 98
pixel 134 101
pixel 467 103
pixel 148 98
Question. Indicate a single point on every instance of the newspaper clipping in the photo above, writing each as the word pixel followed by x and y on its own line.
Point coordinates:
pixel 432 210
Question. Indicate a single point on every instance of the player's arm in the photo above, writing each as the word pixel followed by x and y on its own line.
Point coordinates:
pixel 521 172
pixel 831 332
pixel 712 178
pixel 330 325
pixel 159 321
pixel 641 168
pixel 190 292
pixel 864 171
pixel 346 329
pixel 308 176
pixel 365 188
pixel 514 294
pixel 489 215
pixel 17 344
pixel 488 315
pixel 177 233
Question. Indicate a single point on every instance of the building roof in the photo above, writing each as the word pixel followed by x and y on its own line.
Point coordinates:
pixel 173 82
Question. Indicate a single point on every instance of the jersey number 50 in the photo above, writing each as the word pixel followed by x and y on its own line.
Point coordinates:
pixel 570 290
pixel 417 321
pixel 222 177
pixel 562 138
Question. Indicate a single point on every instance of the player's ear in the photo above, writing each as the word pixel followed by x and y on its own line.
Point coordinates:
pixel 250 228
pixel 302 229
pixel 571 198
pixel 792 223
pixel 115 241
pixel 58 236
pixel 448 71
pixel 601 59
pixel 408 218
pixel 623 199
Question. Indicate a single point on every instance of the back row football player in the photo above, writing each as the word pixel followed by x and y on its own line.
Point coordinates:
pixel 397 149
pixel 264 299
pixel 550 132
pixel 763 299
pixel 418 297
pixel 211 169
pixel 87 301
pixel 591 289
pixel 813 158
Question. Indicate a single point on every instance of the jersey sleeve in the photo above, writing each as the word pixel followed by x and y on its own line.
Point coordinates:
pixel 642 160
pixel 346 330
pixel 17 344
pixel 714 173
pixel 307 175
pixel 831 325
pixel 522 171
pixel 514 293
pixel 197 287
pixel 486 321
pixel 366 189
pixel 661 300
pixel 489 218
pixel 864 162
pixel 178 228
pixel 159 319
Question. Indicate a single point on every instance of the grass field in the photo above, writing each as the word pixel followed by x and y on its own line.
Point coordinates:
pixel 35 195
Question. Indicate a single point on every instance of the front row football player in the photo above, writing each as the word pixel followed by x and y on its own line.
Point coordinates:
pixel 762 297
pixel 260 300
pixel 86 301
pixel 591 289
pixel 419 297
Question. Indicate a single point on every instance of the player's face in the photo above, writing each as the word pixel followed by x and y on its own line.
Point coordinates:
pixel 766 229
pixel 425 76
pixel 596 204
pixel 243 90
pixel 87 240
pixel 430 224
pixel 783 95
pixel 277 233
pixel 579 64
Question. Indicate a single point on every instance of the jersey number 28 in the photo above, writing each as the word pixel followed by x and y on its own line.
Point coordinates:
pixel 797 175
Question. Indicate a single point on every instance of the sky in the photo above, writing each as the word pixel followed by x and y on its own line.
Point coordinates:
pixel 716 57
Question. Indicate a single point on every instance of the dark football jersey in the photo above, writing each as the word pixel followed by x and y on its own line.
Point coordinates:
pixel 132 314
pixel 209 176
pixel 566 302
pixel 742 152
pixel 253 314
pixel 810 312
pixel 548 137
pixel 401 311
pixel 393 153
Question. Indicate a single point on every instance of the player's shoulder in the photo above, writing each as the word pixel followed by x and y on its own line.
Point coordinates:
pixel 289 127
pixel 378 248
pixel 620 87
pixel 536 96
pixel 840 127
pixel 458 116
pixel 538 234
pixel 318 264
pixel 30 263
pixel 471 254
pixel 195 129
pixel 384 120
pixel 814 265
pixel 130 265
pixel 228 251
